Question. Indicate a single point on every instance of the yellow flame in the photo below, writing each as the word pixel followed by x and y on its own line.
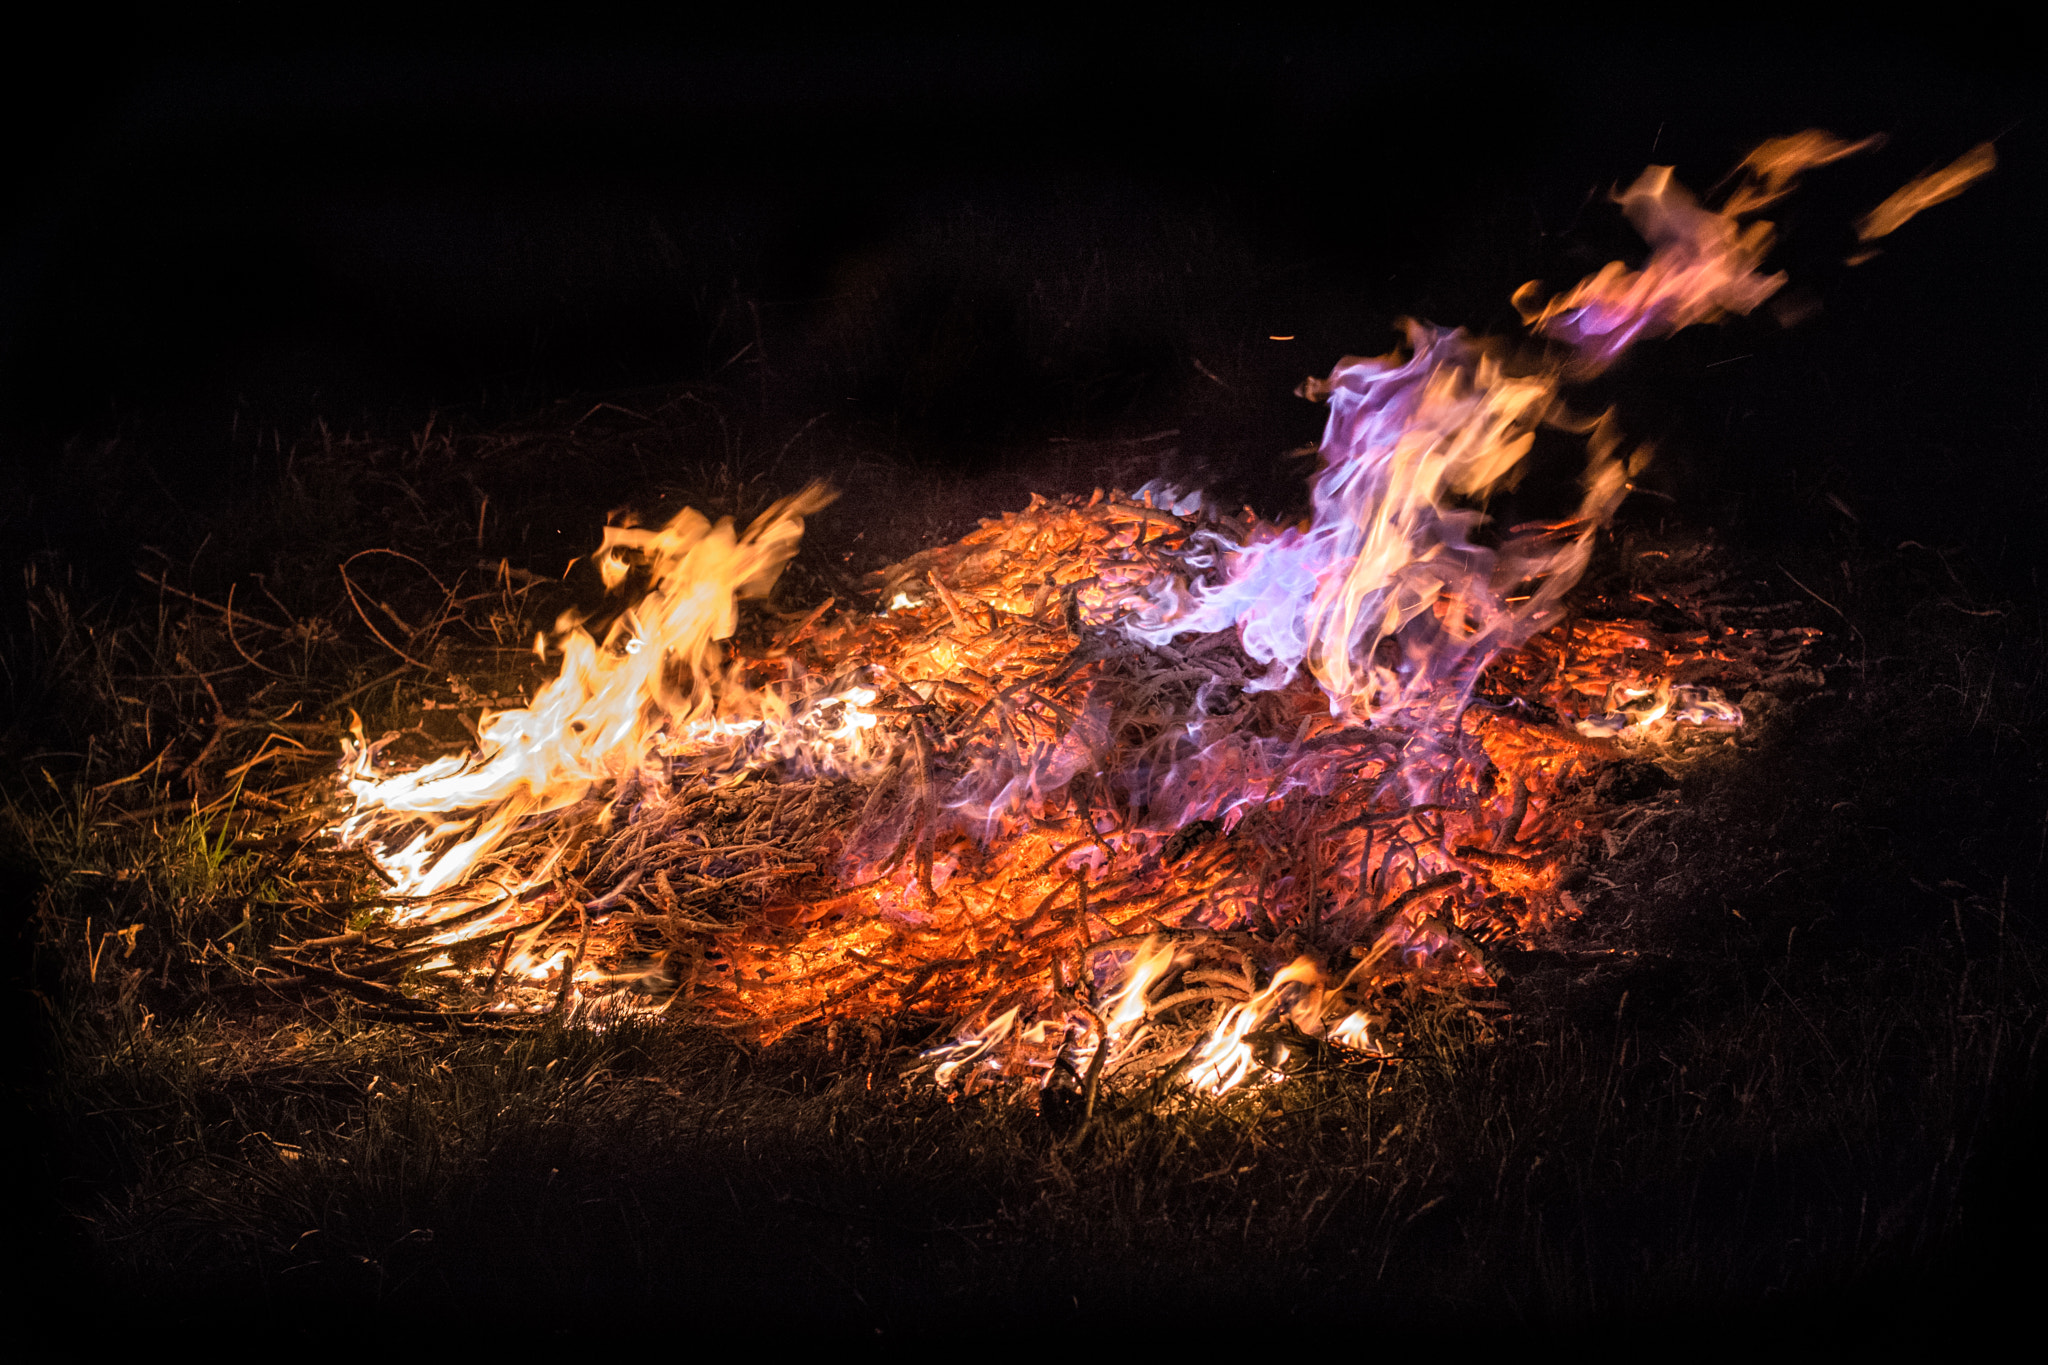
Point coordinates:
pixel 973 1045
pixel 1224 1060
pixel 1354 1031
pixel 659 666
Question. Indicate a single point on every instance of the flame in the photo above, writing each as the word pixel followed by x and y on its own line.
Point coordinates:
pixel 1926 191
pixel 1109 756
pixel 1153 959
pixel 1389 555
pixel 1226 1059
pixel 1704 264
pixel 1773 169
pixel 596 718
pixel 1355 1031
pixel 972 1046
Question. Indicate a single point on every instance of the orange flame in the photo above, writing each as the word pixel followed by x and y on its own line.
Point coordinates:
pixel 1926 191
pixel 1026 738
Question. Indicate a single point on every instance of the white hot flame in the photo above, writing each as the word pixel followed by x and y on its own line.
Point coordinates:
pixel 1386 597
pixel 660 667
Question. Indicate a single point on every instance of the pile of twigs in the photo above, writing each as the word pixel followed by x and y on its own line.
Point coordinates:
pixel 1047 796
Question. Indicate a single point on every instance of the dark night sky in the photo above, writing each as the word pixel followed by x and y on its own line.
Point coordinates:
pixel 364 234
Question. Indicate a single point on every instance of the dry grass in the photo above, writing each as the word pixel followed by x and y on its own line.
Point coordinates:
pixel 1782 1056
pixel 1694 1162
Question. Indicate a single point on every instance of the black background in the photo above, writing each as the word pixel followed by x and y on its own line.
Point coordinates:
pixel 209 234
pixel 212 232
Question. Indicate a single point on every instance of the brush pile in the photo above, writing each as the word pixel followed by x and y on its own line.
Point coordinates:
pixel 1123 785
pixel 1089 857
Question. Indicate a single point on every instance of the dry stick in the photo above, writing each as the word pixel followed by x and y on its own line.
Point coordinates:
pixel 684 851
pixel 1093 1085
pixel 1409 897
pixel 1364 886
pixel 1313 912
pixel 353 693
pixel 617 893
pixel 1019 926
pixel 357 986
pixel 923 826
pixel 399 937
pixel 803 627
pixel 1259 895
pixel 628 848
pixel 1046 866
pixel 1085 981
pixel 953 609
pixel 357 936
pixel 1568 739
pixel 569 972
pixel 779 1025
pixel 450 608
pixel 1518 812
pixel 1219 938
pixel 879 792
pixel 1513 862
pixel 1179 998
pixel 204 602
pixel 391 966
pixel 1384 875
pixel 246 655
pixel 264 754
pixel 1479 955
pixel 350 587
pixel 1240 980
pixel 752 874
pixel 221 726
pixel 505 953
pixel 1159 908
pixel 1397 817
pixel 924 976
pixel 1379 923
pixel 1006 726
pixel 123 781
pixel 997 701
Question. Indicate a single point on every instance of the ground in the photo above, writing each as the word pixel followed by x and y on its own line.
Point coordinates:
pixel 1790 1053
pixel 276 318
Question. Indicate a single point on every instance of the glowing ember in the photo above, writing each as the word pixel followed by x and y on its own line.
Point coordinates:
pixel 1121 787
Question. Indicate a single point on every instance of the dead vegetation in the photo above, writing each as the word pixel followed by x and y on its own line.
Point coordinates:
pixel 1716 1085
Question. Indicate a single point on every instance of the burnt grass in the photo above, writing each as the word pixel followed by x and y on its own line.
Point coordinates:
pixel 1785 1069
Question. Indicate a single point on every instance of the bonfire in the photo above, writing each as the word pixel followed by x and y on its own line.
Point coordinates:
pixel 1122 789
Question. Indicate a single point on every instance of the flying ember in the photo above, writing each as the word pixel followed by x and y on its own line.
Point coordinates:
pixel 1117 787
